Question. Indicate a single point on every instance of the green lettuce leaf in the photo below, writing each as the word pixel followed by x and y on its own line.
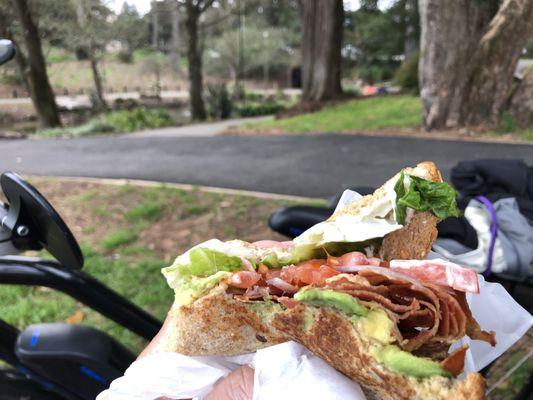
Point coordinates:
pixel 424 195
pixel 206 262
pixel 401 210
pixel 191 287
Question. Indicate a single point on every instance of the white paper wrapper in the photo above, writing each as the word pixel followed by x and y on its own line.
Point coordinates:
pixel 284 371
pixel 289 371
pixel 495 310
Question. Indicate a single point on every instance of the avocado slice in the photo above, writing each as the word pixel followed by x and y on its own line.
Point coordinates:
pixel 408 364
pixel 191 288
pixel 332 299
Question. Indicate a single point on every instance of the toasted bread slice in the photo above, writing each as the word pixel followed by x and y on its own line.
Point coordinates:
pixel 217 324
pixel 334 337
pixel 415 239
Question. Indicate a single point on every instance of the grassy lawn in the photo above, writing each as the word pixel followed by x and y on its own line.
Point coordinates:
pixel 128 233
pixel 386 114
pixel 357 115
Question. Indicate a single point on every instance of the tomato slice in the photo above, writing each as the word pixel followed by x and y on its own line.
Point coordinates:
pixel 308 272
pixel 348 259
pixel 244 279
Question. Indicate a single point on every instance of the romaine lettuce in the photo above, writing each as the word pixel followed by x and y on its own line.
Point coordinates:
pixel 206 262
pixel 424 195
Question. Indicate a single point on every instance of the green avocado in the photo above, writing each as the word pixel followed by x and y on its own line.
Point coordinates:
pixel 191 288
pixel 329 298
pixel 408 364
pixel 378 325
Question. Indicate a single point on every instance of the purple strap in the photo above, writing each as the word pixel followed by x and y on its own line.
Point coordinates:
pixel 493 232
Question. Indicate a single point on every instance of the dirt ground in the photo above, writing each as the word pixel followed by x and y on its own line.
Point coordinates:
pixel 182 219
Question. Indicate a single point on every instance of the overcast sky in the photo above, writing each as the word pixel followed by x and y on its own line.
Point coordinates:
pixel 143 6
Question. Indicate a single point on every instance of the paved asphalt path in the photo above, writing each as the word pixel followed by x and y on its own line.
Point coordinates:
pixel 316 166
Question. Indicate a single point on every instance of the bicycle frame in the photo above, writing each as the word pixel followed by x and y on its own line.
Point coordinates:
pixel 82 287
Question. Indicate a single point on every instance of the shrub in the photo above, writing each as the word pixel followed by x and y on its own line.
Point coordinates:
pixel 507 123
pixel 125 57
pixel 218 100
pixel 116 122
pixel 254 96
pixel 257 109
pixel 407 75
pixel 137 119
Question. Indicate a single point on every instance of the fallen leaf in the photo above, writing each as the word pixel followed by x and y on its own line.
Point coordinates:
pixel 75 318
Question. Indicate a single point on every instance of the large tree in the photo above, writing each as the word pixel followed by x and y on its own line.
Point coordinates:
pixel 469 51
pixel 193 10
pixel 322 25
pixel 91 36
pixel 33 66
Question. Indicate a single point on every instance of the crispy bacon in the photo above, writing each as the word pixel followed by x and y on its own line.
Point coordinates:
pixel 425 299
pixel 288 302
pixel 455 362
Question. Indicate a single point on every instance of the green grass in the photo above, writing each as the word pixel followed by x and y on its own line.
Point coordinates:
pixel 357 115
pixel 27 305
pixel 146 211
pixel 196 209
pixel 117 239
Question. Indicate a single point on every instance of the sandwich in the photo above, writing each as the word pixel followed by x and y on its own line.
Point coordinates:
pixel 357 290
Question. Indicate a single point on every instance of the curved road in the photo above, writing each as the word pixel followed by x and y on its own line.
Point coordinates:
pixel 315 166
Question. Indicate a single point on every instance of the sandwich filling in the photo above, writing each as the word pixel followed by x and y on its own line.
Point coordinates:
pixel 412 310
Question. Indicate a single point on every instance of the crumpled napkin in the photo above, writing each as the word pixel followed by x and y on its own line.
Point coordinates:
pixel 283 371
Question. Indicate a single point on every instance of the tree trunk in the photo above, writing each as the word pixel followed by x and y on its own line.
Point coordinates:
pixel 469 50
pixel 410 45
pixel 322 22
pixel 194 53
pixel 41 91
pixel 521 104
pixel 155 25
pixel 175 37
pixel 84 20
pixel 99 100
pixel 495 60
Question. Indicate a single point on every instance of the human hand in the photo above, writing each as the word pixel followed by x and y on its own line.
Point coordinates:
pixel 239 385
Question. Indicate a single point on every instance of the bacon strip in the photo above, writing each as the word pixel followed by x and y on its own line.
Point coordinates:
pixel 455 362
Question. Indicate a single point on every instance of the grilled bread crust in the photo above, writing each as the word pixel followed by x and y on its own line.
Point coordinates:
pixel 332 336
pixel 217 324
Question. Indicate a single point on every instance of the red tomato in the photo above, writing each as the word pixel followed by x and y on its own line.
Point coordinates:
pixel 308 272
pixel 244 279
pixel 348 259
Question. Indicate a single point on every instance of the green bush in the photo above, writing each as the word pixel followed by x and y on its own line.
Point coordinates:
pixel 507 123
pixel 407 75
pixel 254 96
pixel 257 109
pixel 116 122
pixel 125 57
pixel 374 73
pixel 218 100
pixel 137 119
